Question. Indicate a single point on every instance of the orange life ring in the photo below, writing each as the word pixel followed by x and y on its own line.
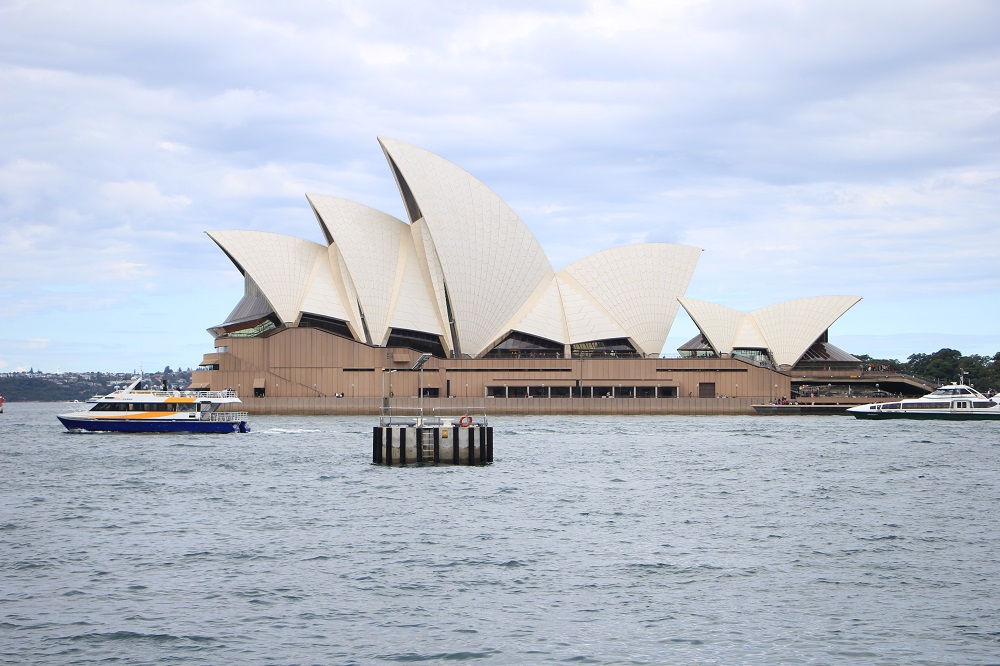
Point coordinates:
pixel 465 421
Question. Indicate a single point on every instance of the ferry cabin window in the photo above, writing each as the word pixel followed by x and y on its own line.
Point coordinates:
pixel 952 391
pixel 156 407
pixel 141 407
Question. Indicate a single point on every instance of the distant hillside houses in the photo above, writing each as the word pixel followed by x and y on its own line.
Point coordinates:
pixel 37 386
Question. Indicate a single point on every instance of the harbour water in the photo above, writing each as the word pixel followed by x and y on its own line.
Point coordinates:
pixel 599 540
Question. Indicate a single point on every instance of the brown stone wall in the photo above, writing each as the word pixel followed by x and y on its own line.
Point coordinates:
pixel 304 369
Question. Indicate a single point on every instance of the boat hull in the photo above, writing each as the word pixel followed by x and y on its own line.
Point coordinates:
pixel 152 425
pixel 933 416
pixel 799 410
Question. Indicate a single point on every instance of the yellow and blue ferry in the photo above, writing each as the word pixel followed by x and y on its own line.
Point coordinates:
pixel 134 409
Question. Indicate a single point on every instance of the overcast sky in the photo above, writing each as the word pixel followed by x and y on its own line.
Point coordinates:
pixel 810 148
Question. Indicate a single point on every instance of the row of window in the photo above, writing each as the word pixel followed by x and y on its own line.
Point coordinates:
pixel 965 404
pixel 581 391
pixel 515 345
pixel 146 407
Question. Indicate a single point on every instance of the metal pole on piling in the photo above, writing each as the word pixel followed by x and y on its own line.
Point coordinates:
pixel 419 365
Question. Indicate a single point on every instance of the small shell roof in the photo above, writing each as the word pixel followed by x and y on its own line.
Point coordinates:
pixel 284 268
pixel 787 329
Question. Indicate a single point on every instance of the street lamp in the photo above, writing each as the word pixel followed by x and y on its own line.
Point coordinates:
pixel 384 402
pixel 419 365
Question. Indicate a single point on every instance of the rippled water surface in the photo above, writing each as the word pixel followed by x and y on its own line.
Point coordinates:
pixel 591 540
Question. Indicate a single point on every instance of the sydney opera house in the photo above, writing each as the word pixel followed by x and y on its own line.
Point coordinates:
pixel 332 327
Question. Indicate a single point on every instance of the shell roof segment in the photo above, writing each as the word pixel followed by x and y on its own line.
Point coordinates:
pixel 325 295
pixel 586 319
pixel 369 242
pixel 716 322
pixel 281 266
pixel 491 261
pixel 413 306
pixel 787 329
pixel 791 327
pixel 544 315
pixel 638 286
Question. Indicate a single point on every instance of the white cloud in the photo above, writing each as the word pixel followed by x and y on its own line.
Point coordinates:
pixel 809 148
pixel 138 197
pixel 269 180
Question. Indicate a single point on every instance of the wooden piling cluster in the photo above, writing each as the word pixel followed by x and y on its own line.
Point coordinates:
pixel 402 445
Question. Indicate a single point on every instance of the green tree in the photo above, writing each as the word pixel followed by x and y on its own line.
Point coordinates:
pixel 943 365
pixel 948 365
pixel 867 360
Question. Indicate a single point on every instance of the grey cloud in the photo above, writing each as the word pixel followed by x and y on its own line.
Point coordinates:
pixel 809 148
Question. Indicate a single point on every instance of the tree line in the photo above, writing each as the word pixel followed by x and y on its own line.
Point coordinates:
pixel 30 387
pixel 948 365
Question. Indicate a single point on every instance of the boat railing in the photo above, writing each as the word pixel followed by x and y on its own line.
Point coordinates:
pixel 225 416
pixel 439 417
pixel 158 393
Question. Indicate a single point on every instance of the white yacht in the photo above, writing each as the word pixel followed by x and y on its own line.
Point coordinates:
pixel 955 402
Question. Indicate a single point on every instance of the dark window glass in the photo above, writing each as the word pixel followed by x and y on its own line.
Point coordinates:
pixel 610 348
pixel 523 345
pixel 328 324
pixel 426 343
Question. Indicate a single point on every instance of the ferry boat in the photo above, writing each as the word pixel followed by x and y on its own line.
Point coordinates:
pixel 955 402
pixel 134 409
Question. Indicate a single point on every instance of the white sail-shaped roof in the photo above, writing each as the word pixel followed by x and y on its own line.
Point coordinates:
pixel 467 270
pixel 491 261
pixel 413 304
pixel 791 327
pixel 378 251
pixel 638 285
pixel 281 266
pixel 748 336
pixel 430 267
pixel 586 319
pixel 325 294
pixel 544 315
pixel 787 329
pixel 716 322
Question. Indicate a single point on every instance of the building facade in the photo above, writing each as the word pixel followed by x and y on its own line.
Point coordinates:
pixel 336 326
